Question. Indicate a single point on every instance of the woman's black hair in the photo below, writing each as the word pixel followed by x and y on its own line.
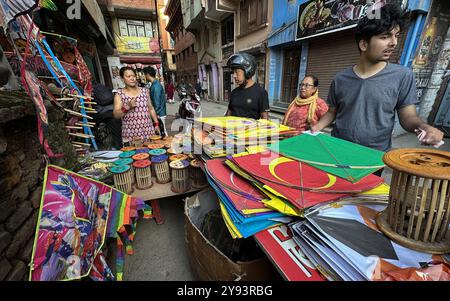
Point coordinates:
pixel 379 21
pixel 314 78
pixel 123 69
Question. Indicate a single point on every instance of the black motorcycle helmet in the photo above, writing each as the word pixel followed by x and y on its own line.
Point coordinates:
pixel 244 61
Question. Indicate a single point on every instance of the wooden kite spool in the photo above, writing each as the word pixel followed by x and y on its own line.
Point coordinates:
pixel 141 156
pixel 197 175
pixel 180 176
pixel 161 168
pixel 178 157
pixel 156 152
pixel 155 146
pixel 128 149
pixel 126 161
pixel 418 212
pixel 137 141
pixel 123 178
pixel 143 174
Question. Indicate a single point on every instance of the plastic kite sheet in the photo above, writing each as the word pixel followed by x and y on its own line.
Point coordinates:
pixel 243 196
pixel 344 240
pixel 338 157
pixel 304 186
pixel 76 215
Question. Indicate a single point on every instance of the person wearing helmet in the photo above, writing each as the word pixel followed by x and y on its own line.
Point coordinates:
pixel 249 99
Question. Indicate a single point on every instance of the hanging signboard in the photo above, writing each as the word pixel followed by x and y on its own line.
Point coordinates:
pixel 318 17
pixel 135 44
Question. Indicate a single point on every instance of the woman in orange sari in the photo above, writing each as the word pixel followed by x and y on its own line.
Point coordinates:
pixel 307 108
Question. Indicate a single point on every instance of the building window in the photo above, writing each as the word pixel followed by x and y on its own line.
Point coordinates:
pixel 291 68
pixel 253 13
pixel 228 31
pixel 137 28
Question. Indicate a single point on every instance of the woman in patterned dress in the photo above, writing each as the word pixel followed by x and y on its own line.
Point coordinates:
pixel 132 104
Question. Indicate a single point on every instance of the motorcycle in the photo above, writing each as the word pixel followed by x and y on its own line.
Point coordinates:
pixel 108 130
pixel 189 109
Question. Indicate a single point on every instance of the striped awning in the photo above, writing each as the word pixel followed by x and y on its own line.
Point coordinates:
pixel 10 9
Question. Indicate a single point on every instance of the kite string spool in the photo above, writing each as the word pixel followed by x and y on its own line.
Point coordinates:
pixel 418 212
pixel 143 177
pixel 124 181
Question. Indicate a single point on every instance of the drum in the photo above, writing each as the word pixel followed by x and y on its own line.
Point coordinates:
pixel 418 211
pixel 143 174
pixel 161 168
pixel 123 178
pixel 180 176
pixel 197 175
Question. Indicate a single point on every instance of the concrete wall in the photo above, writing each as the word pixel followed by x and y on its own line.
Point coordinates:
pixel 252 38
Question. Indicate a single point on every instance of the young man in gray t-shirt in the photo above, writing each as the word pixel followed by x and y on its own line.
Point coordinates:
pixel 363 99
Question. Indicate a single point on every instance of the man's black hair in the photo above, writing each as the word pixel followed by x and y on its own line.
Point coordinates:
pixel 380 21
pixel 150 71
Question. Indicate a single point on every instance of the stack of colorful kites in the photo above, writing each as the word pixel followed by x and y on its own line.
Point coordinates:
pixel 221 136
pixel 257 189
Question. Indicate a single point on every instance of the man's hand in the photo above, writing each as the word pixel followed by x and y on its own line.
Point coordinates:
pixel 157 130
pixel 432 136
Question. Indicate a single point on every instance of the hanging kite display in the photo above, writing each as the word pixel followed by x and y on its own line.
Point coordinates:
pixel 65 95
pixel 338 157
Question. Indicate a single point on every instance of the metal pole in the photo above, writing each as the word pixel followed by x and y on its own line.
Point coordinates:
pixel 160 40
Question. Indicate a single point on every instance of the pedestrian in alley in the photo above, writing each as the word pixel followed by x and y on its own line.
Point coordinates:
pixel 249 99
pixel 157 96
pixel 307 108
pixel 205 89
pixel 198 88
pixel 132 104
pixel 364 98
pixel 170 89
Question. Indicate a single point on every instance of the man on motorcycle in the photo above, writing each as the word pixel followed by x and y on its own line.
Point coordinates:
pixel 157 96
pixel 249 99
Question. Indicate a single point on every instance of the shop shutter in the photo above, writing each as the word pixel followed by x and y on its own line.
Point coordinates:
pixel 334 52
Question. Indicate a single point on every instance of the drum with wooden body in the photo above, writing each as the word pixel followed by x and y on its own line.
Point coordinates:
pixel 161 168
pixel 123 178
pixel 143 174
pixel 180 176
pixel 197 175
pixel 418 212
